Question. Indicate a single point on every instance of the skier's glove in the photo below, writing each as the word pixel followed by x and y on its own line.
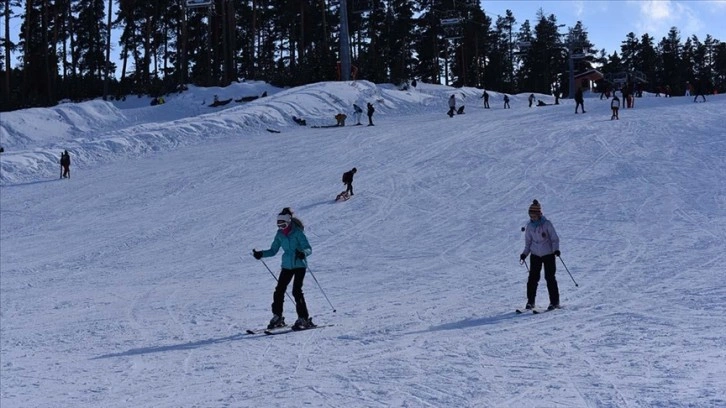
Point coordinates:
pixel 557 252
pixel 257 254
pixel 522 257
pixel 299 254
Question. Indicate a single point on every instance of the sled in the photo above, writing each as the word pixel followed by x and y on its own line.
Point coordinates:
pixel 344 196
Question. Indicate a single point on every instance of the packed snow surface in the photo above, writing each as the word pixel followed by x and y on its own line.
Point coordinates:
pixel 131 284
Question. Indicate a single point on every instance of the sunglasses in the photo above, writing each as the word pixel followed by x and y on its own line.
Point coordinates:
pixel 282 224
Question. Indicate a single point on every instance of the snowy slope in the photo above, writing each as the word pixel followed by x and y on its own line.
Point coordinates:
pixel 131 284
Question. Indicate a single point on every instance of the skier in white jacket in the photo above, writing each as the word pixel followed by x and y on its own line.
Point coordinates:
pixel 542 242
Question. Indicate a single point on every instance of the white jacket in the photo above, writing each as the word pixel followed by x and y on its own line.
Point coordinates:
pixel 541 239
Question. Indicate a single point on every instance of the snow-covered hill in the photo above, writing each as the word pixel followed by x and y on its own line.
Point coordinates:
pixel 132 283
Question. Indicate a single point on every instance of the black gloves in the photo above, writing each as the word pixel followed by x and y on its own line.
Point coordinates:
pixel 522 257
pixel 299 254
pixel 257 254
pixel 557 252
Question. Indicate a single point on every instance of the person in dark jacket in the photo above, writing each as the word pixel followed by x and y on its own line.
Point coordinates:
pixel 506 102
pixel 348 180
pixel 485 95
pixel 65 162
pixel 291 238
pixel 371 109
pixel 579 100
pixel 542 242
pixel 700 90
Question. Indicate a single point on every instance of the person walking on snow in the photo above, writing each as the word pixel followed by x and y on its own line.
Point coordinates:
pixel 542 242
pixel 348 180
pixel 615 106
pixel 700 90
pixel 291 238
pixel 506 102
pixel 579 100
pixel 485 95
pixel 452 106
pixel 531 100
pixel 357 111
pixel 65 162
pixel 371 109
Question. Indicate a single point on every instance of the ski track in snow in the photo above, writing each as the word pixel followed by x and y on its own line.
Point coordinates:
pixel 132 284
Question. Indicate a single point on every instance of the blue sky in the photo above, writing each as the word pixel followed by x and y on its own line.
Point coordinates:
pixel 608 22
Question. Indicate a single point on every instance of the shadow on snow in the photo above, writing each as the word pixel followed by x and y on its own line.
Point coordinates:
pixel 174 347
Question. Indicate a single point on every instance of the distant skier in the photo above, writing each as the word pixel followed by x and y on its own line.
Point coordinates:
pixel 348 180
pixel 506 102
pixel 531 100
pixel 291 238
pixel 700 90
pixel 65 162
pixel 452 106
pixel 579 100
pixel 371 109
pixel 340 119
pixel 357 111
pixel 541 240
pixel 615 106
pixel 485 95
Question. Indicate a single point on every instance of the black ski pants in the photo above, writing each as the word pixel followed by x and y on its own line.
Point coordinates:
pixel 579 104
pixel 550 267
pixel 349 188
pixel 286 275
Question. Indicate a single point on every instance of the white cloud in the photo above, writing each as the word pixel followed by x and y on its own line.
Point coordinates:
pixel 579 9
pixel 656 16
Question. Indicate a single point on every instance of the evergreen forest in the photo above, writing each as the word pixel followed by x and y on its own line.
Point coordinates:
pixel 65 51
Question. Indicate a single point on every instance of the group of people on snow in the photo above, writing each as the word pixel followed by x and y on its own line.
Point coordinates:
pixel 290 236
pixel 541 245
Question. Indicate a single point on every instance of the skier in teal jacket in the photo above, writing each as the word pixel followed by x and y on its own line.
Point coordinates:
pixel 291 238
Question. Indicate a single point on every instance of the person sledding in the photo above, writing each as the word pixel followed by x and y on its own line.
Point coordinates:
pixel 348 181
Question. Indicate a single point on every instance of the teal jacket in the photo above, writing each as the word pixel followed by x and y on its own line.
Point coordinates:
pixel 294 240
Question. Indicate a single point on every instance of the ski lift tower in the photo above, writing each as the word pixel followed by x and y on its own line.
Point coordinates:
pixel 344 42
pixel 193 5
pixel 452 31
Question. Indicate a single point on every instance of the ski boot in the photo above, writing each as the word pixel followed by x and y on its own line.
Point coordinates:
pixel 302 324
pixel 276 321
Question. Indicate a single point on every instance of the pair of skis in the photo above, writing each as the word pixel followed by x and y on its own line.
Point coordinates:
pixel 534 311
pixel 282 330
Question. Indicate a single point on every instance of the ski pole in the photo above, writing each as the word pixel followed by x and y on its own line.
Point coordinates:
pixel 276 280
pixel 568 272
pixel 523 262
pixel 319 287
